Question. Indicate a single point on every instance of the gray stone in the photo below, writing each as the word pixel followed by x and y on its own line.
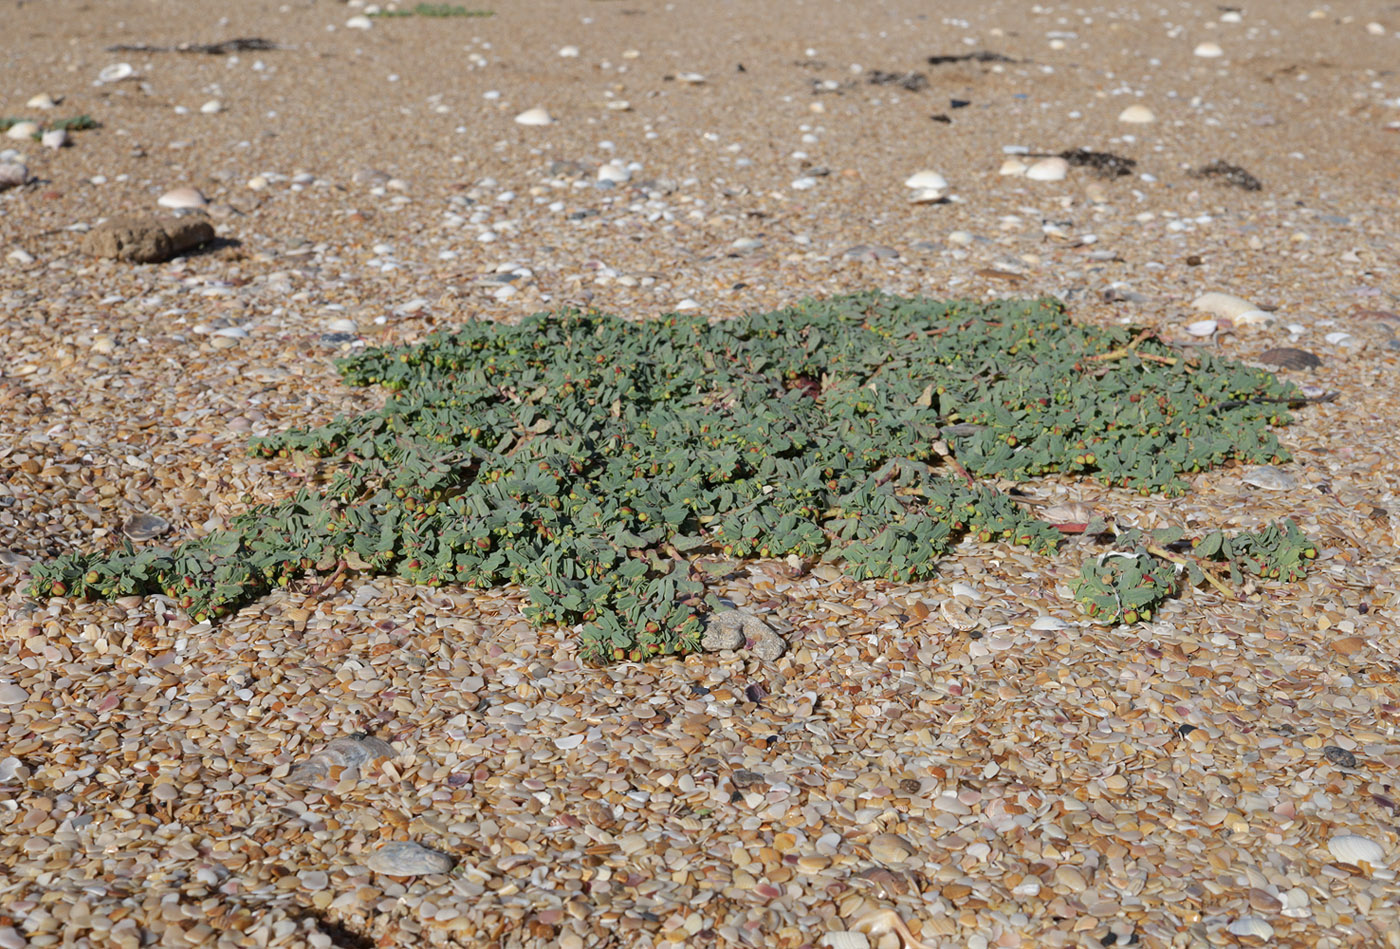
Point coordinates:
pixel 735 629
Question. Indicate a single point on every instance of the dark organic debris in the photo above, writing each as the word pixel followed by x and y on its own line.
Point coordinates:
pixel 911 81
pixel 1229 174
pixel 980 56
pixel 941 118
pixel 1104 164
pixel 1286 357
pixel 1339 756
pixel 959 103
pixel 244 44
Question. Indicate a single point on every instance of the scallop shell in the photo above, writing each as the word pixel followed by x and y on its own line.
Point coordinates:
pixel 1355 850
pixel 1251 926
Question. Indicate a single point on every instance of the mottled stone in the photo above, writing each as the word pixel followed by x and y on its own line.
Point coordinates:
pixel 147 240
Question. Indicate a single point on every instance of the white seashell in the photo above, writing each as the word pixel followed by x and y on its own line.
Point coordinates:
pixel 804 184
pixel 54 138
pixel 1049 624
pixel 1338 338
pixel 23 130
pixel 1270 478
pixel 212 107
pixel 42 101
pixel 687 304
pixel 960 238
pixel 614 173
pixel 962 589
pixel 1048 169
pixel 568 52
pixel 1355 850
pixel 1231 16
pixel 1202 327
pixel 115 72
pixel 1013 167
pixel 619 105
pixel 1209 50
pixel 691 78
pixel 1137 115
pixel 1251 926
pixel 232 332
pixel 342 326
pixel 405 858
pixel 1224 305
pixel 890 849
pixel 926 181
pixel 182 198
pixel 360 22
pixel 1253 318
pixel 846 940
pixel 536 116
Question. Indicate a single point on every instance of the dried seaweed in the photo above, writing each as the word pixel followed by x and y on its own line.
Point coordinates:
pixel 1104 164
pixel 243 44
pixel 980 56
pixel 1229 174
pixel 911 81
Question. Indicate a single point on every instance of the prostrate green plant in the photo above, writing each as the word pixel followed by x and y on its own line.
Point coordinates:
pixel 1131 582
pixel 77 123
pixel 586 458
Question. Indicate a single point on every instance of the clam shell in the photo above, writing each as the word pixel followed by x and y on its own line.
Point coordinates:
pixel 535 116
pixel 42 101
pixel 1048 169
pixel 182 198
pixel 115 72
pixel 22 130
pixel 144 526
pixel 1013 167
pixel 1137 115
pixel 1202 327
pixel 926 180
pixel 1355 850
pixel 1209 50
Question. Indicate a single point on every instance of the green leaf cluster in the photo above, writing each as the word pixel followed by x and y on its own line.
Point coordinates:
pixel 587 458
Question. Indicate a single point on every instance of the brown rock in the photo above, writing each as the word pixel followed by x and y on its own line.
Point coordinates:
pixel 147 240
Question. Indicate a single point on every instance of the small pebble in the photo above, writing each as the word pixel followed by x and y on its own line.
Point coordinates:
pixel 360 22
pixel 1209 50
pixel 54 138
pixel 614 173
pixel 42 101
pixel 212 107
pixel 404 858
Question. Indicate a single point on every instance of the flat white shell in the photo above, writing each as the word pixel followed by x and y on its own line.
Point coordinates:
pixel 1049 623
pixel 846 940
pixel 1013 167
pixel 1048 169
pixel 1202 327
pixel 1209 50
pixel 926 181
pixel 1355 849
pixel 115 72
pixel 1225 306
pixel 1137 115
pixel 23 130
pixel 926 196
pixel 536 116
